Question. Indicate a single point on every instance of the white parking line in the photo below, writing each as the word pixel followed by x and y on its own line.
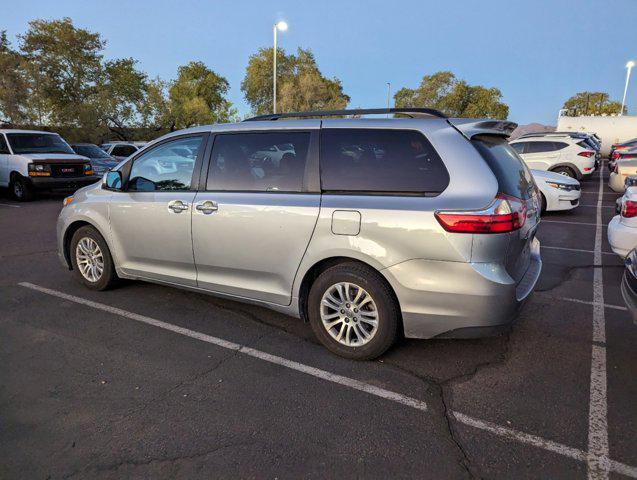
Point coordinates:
pixel 577 300
pixel 604 193
pixel 572 223
pixel 574 249
pixel 9 205
pixel 595 206
pixel 315 372
pixel 498 430
pixel 597 458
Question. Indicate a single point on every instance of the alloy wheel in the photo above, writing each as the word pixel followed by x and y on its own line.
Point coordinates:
pixel 90 260
pixel 349 314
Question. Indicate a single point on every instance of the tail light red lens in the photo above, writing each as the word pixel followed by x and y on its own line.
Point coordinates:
pixel 586 154
pixel 629 209
pixel 505 214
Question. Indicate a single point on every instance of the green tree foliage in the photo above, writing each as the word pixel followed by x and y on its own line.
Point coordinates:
pixel 119 94
pixel 456 98
pixel 63 64
pixel 300 83
pixel 59 78
pixel 13 87
pixel 197 97
pixel 592 103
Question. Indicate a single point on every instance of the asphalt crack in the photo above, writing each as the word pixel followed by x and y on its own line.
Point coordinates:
pixel 159 460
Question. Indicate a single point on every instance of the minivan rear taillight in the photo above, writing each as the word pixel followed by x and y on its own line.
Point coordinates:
pixel 505 214
pixel 629 209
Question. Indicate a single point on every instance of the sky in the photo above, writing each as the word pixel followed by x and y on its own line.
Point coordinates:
pixel 538 53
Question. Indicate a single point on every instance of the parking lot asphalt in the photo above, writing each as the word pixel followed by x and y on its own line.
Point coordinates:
pixel 137 382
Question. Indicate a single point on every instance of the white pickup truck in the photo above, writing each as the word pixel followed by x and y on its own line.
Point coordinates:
pixel 32 161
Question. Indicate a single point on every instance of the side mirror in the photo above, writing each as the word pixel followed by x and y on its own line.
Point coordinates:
pixel 112 180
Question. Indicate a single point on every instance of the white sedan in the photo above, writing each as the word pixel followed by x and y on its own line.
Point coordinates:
pixel 559 192
pixel 622 229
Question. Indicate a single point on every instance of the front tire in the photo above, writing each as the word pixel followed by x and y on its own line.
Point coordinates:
pixel 566 171
pixel 20 189
pixel 542 204
pixel 91 259
pixel 353 312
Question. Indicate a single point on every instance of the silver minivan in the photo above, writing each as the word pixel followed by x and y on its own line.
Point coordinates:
pixel 368 228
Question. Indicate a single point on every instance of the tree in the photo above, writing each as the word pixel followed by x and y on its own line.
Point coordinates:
pixel 592 103
pixel 300 83
pixel 119 96
pixel 153 109
pixel 63 64
pixel 196 97
pixel 443 91
pixel 13 87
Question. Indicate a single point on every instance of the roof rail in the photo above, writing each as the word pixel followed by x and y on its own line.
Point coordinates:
pixel 411 112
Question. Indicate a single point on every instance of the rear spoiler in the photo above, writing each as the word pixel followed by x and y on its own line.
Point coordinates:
pixel 470 127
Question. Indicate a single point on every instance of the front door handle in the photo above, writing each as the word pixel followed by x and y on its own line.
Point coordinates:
pixel 207 207
pixel 177 206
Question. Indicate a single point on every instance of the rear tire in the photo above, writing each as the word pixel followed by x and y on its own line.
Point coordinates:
pixel 91 259
pixel 360 305
pixel 20 189
pixel 566 171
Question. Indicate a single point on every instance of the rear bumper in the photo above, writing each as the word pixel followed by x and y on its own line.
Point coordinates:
pixel 459 300
pixel 62 183
pixel 622 238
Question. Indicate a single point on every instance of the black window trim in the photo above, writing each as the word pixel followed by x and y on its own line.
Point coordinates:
pixel 378 193
pixel 196 171
pixel 311 181
pixel 6 143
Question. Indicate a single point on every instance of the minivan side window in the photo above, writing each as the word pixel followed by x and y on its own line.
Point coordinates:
pixel 169 166
pixel 259 161
pixel 4 148
pixel 380 161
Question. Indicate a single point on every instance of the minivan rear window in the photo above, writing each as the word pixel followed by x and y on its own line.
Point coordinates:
pixel 514 178
pixel 377 161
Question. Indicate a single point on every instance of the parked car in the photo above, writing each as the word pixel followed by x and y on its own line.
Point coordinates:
pixel 435 241
pixel 31 161
pixel 629 284
pixel 560 154
pixel 557 191
pixel 119 150
pixel 100 160
pixel 624 166
pixel 590 138
pixel 622 229
pixel 617 147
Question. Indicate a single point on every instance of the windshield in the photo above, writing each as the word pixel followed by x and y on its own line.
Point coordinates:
pixel 90 151
pixel 38 143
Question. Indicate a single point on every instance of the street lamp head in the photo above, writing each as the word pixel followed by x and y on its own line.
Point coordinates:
pixel 630 64
pixel 282 26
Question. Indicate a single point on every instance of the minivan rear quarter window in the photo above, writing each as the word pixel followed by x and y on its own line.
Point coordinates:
pixel 376 161
pixel 514 178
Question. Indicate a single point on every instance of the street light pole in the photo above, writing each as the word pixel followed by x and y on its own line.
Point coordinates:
pixel 629 67
pixel 283 27
pixel 388 95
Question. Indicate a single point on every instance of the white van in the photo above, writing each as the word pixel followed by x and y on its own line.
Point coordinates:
pixel 32 161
